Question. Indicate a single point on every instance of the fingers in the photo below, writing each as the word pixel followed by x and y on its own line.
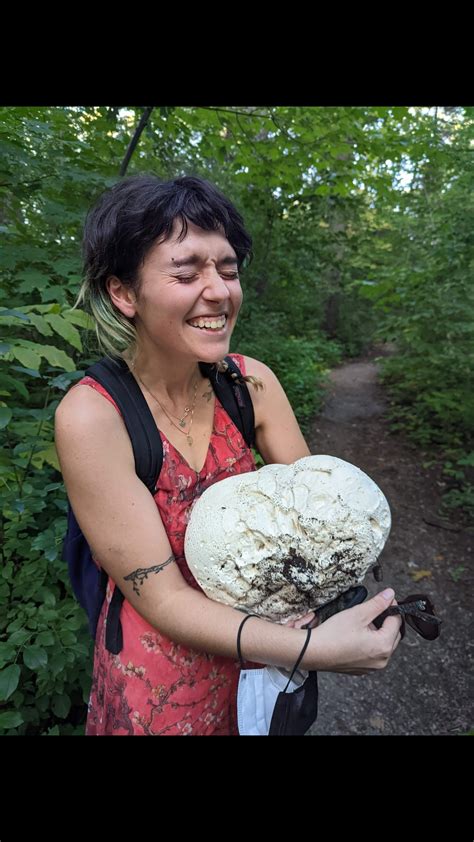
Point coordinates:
pixel 388 628
pixel 378 604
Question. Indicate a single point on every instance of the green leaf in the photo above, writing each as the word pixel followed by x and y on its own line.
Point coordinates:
pixel 18 505
pixel 79 317
pixel 7 570
pixel 31 279
pixel 5 416
pixel 48 614
pixel 41 324
pixel 50 456
pixel 9 678
pixel 55 294
pixel 65 329
pixel 46 596
pixel 7 653
pixel 35 657
pixel 57 357
pixel 64 380
pixel 18 638
pixel 15 625
pixel 73 623
pixel 16 313
pixel 13 383
pixel 29 372
pixel 57 663
pixel 44 540
pixel 45 638
pixel 67 638
pixel 26 357
pixel 61 705
pixel 10 719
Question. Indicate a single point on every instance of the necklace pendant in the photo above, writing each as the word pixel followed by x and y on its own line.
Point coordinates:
pixel 190 441
pixel 182 423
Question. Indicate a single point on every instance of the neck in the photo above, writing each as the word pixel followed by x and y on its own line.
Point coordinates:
pixel 171 382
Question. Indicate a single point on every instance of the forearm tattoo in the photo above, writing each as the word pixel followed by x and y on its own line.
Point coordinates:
pixel 138 576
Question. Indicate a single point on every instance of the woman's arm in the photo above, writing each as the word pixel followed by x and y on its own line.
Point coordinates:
pixel 123 527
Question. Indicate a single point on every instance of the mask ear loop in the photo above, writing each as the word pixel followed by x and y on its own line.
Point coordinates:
pixel 300 656
pixel 308 635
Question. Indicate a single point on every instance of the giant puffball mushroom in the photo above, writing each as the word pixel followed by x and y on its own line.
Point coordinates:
pixel 286 539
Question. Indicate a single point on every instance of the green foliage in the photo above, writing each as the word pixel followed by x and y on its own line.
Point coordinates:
pixel 45 647
pixel 300 361
pixel 422 288
pixel 345 251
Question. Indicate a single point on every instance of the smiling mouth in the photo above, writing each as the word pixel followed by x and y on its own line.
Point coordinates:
pixel 214 330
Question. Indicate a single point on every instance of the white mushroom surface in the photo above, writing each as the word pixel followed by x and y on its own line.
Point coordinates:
pixel 283 540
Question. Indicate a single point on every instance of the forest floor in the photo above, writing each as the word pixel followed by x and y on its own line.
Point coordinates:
pixel 427 687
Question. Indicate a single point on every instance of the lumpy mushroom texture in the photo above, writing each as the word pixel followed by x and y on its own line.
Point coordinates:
pixel 283 540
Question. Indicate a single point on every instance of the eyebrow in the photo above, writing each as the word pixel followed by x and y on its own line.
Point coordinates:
pixel 194 260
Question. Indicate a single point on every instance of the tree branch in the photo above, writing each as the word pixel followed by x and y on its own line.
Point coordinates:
pixel 136 137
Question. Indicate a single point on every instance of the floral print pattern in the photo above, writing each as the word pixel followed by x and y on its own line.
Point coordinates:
pixel 154 686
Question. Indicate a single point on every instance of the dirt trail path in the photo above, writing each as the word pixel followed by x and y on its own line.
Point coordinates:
pixel 428 686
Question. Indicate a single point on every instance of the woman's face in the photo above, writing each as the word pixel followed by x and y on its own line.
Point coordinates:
pixel 185 281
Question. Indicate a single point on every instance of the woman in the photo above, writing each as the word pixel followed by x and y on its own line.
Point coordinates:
pixel 162 263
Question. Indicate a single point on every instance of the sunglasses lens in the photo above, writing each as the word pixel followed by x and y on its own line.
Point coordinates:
pixel 426 628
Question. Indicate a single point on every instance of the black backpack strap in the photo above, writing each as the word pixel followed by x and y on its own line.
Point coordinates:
pixel 113 626
pixel 116 377
pixel 234 396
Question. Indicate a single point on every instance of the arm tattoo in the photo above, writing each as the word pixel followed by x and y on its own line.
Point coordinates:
pixel 138 576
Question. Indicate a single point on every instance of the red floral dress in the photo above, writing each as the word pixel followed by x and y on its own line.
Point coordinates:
pixel 155 686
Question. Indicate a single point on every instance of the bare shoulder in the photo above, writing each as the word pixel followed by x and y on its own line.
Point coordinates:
pixel 265 400
pixel 86 420
pixel 255 368
pixel 264 373
pixel 84 404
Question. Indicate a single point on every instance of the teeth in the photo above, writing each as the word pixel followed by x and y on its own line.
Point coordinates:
pixel 215 324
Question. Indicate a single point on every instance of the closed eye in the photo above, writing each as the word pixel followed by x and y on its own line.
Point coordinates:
pixel 228 276
pixel 186 279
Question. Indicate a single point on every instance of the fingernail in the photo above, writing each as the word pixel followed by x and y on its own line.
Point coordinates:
pixel 388 594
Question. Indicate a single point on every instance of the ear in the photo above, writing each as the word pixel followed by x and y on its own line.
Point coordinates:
pixel 122 296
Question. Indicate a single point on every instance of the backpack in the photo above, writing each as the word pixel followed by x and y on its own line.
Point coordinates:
pixel 89 582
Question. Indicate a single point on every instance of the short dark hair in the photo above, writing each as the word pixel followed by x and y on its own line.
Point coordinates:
pixel 126 222
pixel 128 219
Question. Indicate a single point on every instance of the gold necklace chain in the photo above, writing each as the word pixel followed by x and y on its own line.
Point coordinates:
pixel 187 409
pixel 181 420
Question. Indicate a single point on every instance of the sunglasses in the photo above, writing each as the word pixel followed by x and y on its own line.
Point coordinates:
pixel 418 611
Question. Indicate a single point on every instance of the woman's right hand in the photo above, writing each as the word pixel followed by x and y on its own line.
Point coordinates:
pixel 348 642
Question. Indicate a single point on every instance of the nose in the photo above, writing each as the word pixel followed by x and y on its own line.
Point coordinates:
pixel 215 287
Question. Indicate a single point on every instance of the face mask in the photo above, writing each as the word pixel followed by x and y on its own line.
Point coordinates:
pixel 269 703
